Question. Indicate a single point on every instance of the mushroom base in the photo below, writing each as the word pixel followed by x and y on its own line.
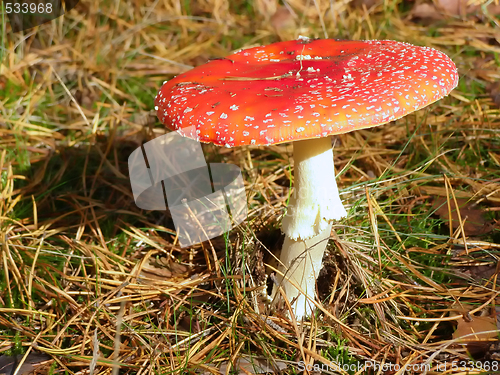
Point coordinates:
pixel 301 262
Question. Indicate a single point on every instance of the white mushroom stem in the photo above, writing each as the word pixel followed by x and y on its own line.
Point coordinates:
pixel 307 224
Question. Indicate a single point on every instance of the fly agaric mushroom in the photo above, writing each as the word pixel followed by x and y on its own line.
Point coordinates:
pixel 303 91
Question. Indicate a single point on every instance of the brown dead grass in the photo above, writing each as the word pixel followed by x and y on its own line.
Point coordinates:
pixel 98 284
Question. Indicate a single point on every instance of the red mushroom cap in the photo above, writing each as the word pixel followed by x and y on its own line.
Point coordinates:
pixel 303 89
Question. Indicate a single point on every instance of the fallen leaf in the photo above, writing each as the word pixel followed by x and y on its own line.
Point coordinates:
pixel 453 7
pixel 441 9
pixel 189 323
pixel 86 97
pixel 283 22
pixel 475 224
pixel 477 328
pixel 476 333
pixel 34 360
pixel 367 3
pixel 426 11
pixel 494 90
pixel 482 272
